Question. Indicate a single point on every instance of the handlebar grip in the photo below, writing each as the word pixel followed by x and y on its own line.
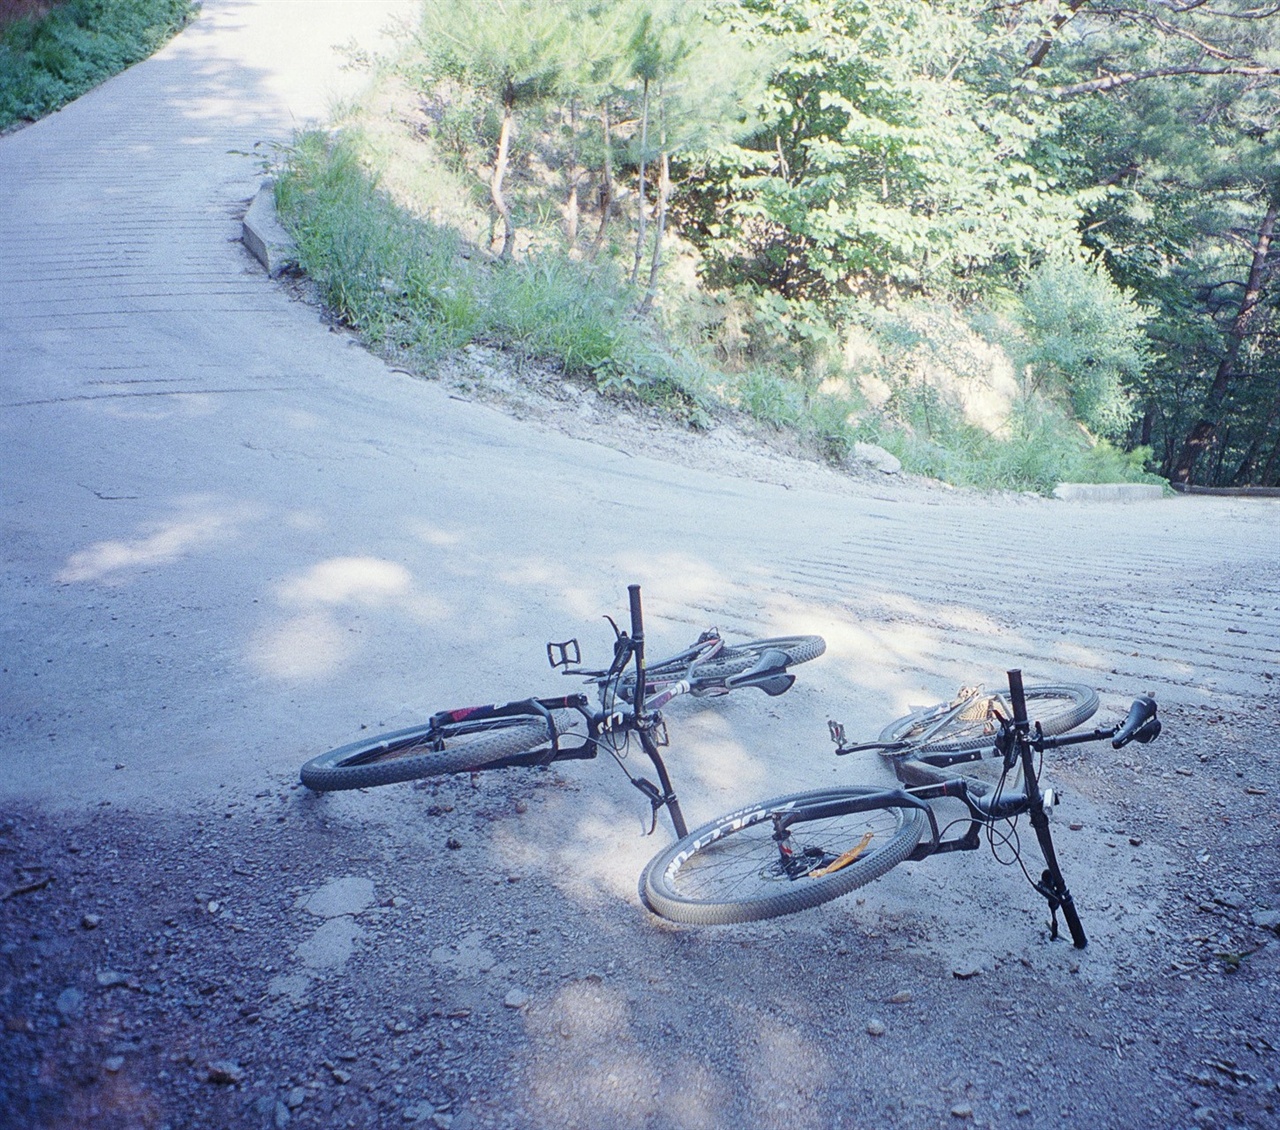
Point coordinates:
pixel 1017 696
pixel 637 620
pixel 999 807
pixel 1141 713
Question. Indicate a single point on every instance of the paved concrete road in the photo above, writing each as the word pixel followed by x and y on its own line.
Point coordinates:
pixel 232 538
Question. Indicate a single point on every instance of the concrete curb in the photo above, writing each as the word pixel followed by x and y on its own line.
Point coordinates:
pixel 264 235
pixel 1108 492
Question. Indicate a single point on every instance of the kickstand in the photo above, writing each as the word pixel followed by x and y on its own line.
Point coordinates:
pixel 656 800
pixel 1046 887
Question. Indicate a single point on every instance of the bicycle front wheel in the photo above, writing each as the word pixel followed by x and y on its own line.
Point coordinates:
pixel 429 751
pixel 732 869
pixel 1057 709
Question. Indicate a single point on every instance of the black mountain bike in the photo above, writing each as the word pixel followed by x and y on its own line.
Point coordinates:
pixel 539 731
pixel 797 851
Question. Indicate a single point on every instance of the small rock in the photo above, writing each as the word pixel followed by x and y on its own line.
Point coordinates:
pixel 875 1028
pixel 1135 841
pixel 1204 1116
pixel 113 1063
pixel 965 970
pixel 91 921
pixel 1267 919
pixel 453 843
pixel 110 979
pixel 1075 825
pixel 882 460
pixel 1023 1111
pixel 962 1110
pixel 441 1120
pixel 224 1072
pixel 516 998
pixel 902 996
pixel 281 1116
pixel 522 806
pixel 341 1077
pixel 295 1098
pixel 70 1003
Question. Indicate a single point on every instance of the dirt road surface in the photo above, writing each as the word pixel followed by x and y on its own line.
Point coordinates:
pixel 233 539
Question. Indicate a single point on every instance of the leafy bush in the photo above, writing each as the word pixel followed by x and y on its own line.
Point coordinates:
pixel 1084 340
pixel 46 63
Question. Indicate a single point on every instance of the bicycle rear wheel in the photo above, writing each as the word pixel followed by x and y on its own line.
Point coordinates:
pixel 1057 708
pixel 429 751
pixel 731 869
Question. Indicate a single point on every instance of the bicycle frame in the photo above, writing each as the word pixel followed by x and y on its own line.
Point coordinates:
pixel 1017 744
pixel 604 725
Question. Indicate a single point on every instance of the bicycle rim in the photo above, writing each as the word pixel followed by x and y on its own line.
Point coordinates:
pixel 730 870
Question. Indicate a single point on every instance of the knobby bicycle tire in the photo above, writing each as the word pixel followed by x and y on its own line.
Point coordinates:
pixel 732 660
pixel 1057 708
pixel 728 871
pixel 424 751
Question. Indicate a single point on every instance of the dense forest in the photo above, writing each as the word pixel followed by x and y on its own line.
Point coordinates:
pixel 1089 187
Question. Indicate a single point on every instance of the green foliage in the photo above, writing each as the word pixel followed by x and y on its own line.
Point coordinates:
pixel 1084 340
pixel 414 289
pixel 890 156
pixel 516 51
pixel 46 63
pixel 1040 449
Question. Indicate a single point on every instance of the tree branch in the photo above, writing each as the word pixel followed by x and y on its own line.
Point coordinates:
pixel 1111 82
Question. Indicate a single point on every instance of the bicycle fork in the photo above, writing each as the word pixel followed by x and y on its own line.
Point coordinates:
pixel 1052 885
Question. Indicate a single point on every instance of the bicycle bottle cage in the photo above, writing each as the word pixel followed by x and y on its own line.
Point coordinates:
pixel 566 654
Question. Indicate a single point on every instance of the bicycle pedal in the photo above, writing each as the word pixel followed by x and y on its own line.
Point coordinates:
pixel 565 654
pixel 836 730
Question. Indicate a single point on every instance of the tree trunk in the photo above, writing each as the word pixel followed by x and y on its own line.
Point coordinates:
pixel 1205 431
pixel 660 226
pixel 499 171
pixel 606 187
pixel 1265 479
pixel 571 204
pixel 1244 474
pixel 644 145
pixel 1040 49
pixel 660 215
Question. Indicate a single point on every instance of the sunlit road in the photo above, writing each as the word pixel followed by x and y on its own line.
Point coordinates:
pixel 232 538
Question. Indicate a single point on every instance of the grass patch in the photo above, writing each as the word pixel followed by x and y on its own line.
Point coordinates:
pixel 47 62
